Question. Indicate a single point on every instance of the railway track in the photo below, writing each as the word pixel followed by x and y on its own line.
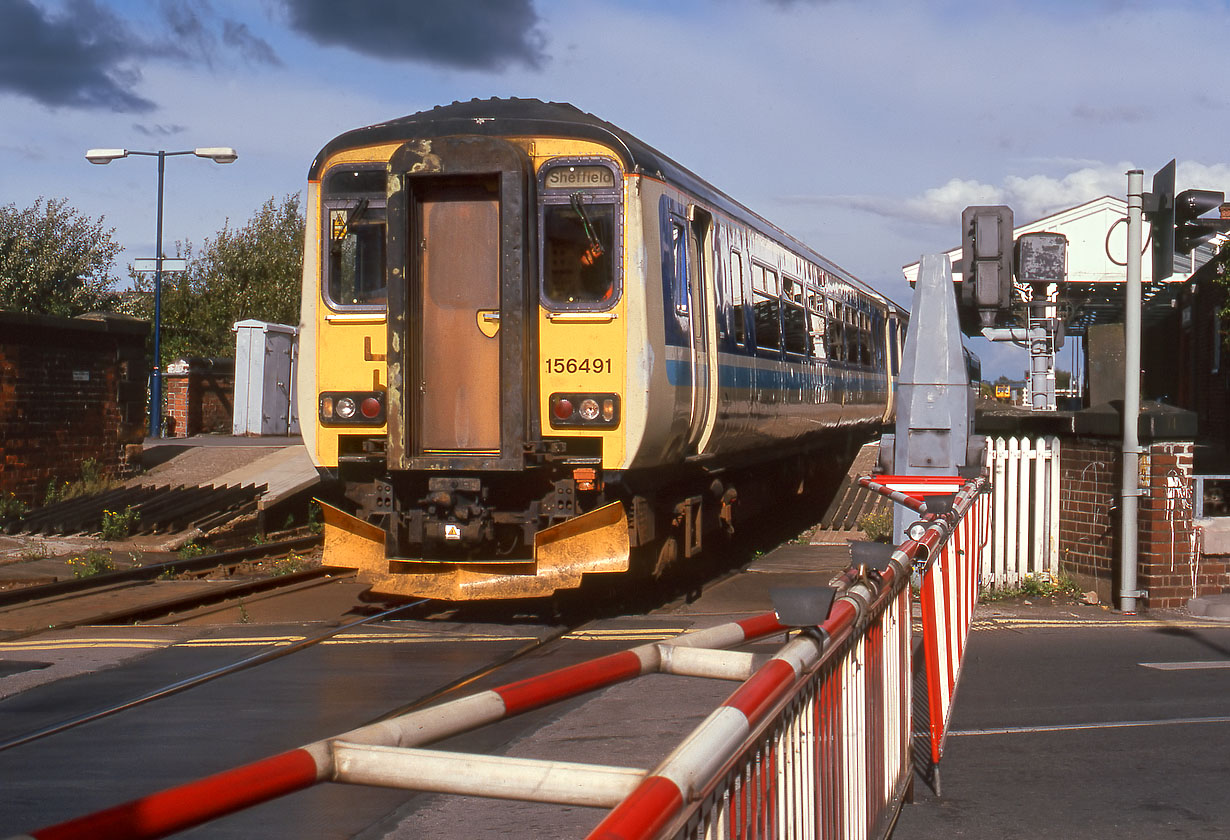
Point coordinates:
pixel 280 650
pixel 176 608
pixel 152 592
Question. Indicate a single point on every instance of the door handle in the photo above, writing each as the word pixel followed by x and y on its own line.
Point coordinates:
pixel 488 322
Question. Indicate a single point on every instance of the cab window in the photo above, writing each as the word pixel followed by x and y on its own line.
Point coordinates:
pixel 579 229
pixel 354 227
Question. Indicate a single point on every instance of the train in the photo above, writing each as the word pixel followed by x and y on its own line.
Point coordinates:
pixel 535 349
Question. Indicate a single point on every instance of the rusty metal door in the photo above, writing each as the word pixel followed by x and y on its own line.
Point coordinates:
pixel 459 251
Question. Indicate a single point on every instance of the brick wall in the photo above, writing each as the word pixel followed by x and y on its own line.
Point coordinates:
pixel 175 409
pixel 1187 359
pixel 1088 520
pixel 71 389
pixel 1089 523
pixel 199 396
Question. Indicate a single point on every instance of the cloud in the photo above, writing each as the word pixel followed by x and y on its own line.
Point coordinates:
pixel 194 33
pixel 1031 197
pixel 159 130
pixel 255 50
pixel 82 58
pixel 466 34
pixel 1113 115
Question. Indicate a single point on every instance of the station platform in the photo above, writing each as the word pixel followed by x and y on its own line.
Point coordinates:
pixel 279 463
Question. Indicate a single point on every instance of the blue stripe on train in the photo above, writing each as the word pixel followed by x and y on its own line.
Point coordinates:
pixel 679 374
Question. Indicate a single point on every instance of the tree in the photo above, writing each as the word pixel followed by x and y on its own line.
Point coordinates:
pixel 55 261
pixel 249 272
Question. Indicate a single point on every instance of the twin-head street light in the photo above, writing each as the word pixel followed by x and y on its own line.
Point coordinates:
pixel 218 154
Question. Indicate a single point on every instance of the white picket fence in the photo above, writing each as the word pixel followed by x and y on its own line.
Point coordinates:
pixel 1025 482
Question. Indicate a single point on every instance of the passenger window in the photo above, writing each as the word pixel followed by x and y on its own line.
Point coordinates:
pixel 835 333
pixel 355 224
pixel 679 255
pixel 817 335
pixel 766 306
pixel 737 306
pixel 795 328
pixel 768 327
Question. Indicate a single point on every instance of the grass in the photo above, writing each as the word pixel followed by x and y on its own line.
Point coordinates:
pixel 1034 586
pixel 93 480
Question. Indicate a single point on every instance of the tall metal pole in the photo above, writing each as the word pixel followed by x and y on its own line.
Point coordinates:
pixel 155 388
pixel 1131 397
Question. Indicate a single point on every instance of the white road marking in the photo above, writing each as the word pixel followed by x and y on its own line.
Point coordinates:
pixel 1076 727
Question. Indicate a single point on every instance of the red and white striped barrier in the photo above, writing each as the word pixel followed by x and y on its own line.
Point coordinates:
pixel 188 805
pixel 948 598
pixel 814 743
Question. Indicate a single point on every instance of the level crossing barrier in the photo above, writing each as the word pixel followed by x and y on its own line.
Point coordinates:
pixel 814 742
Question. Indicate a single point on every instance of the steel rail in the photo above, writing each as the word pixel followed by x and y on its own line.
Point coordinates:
pixel 191 602
pixel 200 679
pixel 164 606
pixel 139 573
pixel 193 803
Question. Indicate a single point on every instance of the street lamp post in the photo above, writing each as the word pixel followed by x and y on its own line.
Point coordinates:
pixel 218 154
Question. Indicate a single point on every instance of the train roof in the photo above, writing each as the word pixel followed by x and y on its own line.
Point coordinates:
pixel 533 117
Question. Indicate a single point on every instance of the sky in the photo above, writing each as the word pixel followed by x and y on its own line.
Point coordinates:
pixel 862 127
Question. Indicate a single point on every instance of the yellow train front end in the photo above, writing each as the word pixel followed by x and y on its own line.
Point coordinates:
pixel 465 324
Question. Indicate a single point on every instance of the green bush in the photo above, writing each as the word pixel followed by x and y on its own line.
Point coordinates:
pixel 191 550
pixel 91 563
pixel 11 507
pixel 117 525
pixel 878 526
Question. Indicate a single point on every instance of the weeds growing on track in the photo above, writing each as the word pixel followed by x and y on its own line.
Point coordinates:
pixel 91 563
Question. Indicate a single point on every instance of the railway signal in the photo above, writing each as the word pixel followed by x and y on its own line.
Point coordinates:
pixel 1191 231
pixel 1159 208
pixel 986 260
pixel 1175 222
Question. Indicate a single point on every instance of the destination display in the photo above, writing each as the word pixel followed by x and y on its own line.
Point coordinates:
pixel 578 177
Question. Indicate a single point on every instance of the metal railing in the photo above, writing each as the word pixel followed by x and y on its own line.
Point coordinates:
pixel 817 743
pixel 813 742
